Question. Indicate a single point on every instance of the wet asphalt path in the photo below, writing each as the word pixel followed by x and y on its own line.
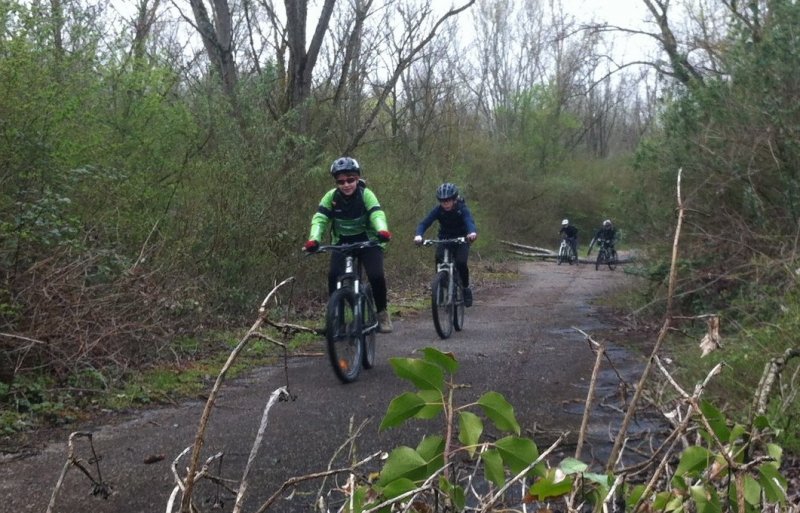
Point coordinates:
pixel 518 340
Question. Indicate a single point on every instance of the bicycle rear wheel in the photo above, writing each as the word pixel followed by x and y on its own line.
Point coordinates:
pixel 458 305
pixel 369 328
pixel 612 259
pixel 343 334
pixel 441 306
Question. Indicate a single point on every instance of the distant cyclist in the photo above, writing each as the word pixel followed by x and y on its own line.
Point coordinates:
pixel 569 233
pixel 607 234
pixel 455 220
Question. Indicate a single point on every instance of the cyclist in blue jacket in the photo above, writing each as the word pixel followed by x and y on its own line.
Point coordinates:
pixel 455 220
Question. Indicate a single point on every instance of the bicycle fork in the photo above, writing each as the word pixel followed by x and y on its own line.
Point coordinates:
pixel 352 278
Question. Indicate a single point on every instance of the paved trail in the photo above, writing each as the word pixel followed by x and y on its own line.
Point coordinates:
pixel 519 340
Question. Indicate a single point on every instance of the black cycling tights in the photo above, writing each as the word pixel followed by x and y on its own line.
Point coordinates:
pixel 372 261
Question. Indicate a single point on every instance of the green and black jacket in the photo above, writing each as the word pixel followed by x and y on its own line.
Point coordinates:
pixel 354 219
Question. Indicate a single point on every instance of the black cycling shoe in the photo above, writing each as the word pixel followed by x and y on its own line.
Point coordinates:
pixel 467 296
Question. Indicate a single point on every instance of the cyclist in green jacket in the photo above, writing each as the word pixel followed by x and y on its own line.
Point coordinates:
pixel 353 214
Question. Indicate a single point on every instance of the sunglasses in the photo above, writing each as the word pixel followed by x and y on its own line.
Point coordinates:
pixel 348 180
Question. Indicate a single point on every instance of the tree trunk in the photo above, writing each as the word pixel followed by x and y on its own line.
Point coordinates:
pixel 218 42
pixel 302 62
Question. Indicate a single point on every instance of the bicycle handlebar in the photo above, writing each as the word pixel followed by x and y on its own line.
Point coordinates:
pixel 347 248
pixel 457 240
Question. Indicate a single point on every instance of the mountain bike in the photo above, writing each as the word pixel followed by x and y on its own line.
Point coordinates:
pixel 606 255
pixel 351 320
pixel 447 292
pixel 565 253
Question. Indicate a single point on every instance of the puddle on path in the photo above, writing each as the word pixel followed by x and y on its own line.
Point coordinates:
pixel 613 392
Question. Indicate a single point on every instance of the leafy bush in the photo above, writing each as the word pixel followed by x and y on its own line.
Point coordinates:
pixel 471 465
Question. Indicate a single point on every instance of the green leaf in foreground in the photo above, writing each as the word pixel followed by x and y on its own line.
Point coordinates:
pixel 470 428
pixel 401 408
pixel 446 361
pixel 500 411
pixel 398 487
pixel 424 375
pixel 552 484
pixel 493 467
pixel 773 483
pixel 431 449
pixel 403 463
pixel 693 461
pixel 517 453
pixel 434 404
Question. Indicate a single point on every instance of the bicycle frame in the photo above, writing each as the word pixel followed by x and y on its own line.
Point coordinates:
pixel 447 264
pixel 351 342
pixel 445 295
pixel 351 277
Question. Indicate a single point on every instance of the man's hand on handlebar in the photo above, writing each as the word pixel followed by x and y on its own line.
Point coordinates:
pixel 418 240
pixel 311 246
pixel 472 236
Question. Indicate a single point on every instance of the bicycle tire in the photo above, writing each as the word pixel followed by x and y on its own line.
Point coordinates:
pixel 601 255
pixel 459 308
pixel 343 335
pixel 370 327
pixel 561 251
pixel 572 256
pixel 612 259
pixel 441 306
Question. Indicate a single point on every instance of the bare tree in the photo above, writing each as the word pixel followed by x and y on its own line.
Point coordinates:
pixel 302 60
pixel 146 13
pixel 408 48
pixel 218 41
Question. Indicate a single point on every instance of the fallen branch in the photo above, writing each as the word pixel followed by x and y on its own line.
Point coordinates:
pixel 534 249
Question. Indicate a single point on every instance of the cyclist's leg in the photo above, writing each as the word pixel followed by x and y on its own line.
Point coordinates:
pixel 461 252
pixel 336 268
pixel 372 260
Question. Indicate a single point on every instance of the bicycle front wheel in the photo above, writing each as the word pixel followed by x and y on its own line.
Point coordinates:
pixel 343 334
pixel 561 254
pixel 369 328
pixel 441 305
pixel 612 259
pixel 601 256
pixel 458 305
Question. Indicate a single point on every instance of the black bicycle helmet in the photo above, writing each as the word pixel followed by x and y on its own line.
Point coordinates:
pixel 446 191
pixel 345 165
